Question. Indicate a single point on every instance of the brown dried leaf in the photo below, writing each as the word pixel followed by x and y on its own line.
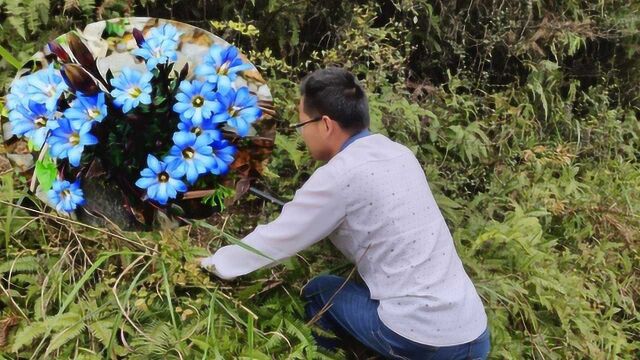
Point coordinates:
pixel 5 327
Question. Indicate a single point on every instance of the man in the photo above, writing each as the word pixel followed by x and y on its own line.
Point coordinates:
pixel 373 201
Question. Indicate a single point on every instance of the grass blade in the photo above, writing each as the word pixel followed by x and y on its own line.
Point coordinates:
pixel 5 54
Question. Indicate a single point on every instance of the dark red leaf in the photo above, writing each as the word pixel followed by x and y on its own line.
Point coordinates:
pixel 62 55
pixel 78 79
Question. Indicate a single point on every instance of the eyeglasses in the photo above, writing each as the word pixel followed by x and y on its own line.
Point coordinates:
pixel 298 127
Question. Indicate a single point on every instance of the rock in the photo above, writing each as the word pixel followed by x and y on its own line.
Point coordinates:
pixel 105 200
pixel 22 162
pixel 6 131
pixel 264 93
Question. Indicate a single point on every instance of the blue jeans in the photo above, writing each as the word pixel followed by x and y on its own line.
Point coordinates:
pixel 353 313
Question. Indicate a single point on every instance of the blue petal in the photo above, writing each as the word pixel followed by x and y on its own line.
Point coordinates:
pixel 161 195
pixel 74 154
pixel 144 99
pixel 145 182
pixel 146 172
pixel 192 174
pixel 251 113
pixel 186 87
pixel 243 67
pixel 152 191
pixel 184 139
pixel 176 169
pixel 88 139
pixel 224 84
pixel 154 164
pixel 178 185
pixel 181 97
pixel 171 191
pixel 216 54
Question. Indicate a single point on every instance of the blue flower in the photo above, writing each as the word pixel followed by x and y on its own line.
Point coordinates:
pixel 159 46
pixel 66 196
pixel 69 140
pixel 33 121
pixel 18 93
pixel 240 109
pixel 161 181
pixel 196 101
pixel 87 109
pixel 155 51
pixel 207 127
pixel 221 66
pixel 165 32
pixel 132 88
pixel 191 154
pixel 45 86
pixel 223 152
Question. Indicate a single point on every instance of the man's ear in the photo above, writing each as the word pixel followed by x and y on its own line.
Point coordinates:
pixel 328 123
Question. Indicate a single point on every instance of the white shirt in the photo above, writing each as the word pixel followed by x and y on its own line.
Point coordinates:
pixel 373 201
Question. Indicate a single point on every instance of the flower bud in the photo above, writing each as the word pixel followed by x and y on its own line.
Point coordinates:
pixel 78 79
pixel 137 34
pixel 56 49
pixel 82 54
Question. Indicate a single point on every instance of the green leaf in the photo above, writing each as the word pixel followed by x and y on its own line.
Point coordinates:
pixel 113 29
pixel 158 100
pixel 217 198
pixel 290 145
pixel 46 172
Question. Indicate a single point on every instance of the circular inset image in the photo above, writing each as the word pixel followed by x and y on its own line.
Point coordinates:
pixel 139 122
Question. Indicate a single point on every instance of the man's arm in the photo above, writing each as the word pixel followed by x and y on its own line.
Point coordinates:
pixel 315 211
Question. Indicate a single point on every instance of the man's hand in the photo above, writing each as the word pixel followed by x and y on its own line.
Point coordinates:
pixel 208 265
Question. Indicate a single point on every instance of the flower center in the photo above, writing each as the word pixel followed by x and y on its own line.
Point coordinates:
pixel 233 111
pixel 40 122
pixel 74 139
pixel 135 92
pixel 163 177
pixel 50 90
pixel 65 193
pixel 196 130
pixel 94 113
pixel 188 153
pixel 224 68
pixel 197 101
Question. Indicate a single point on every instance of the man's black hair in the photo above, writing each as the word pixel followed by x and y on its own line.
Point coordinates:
pixel 336 93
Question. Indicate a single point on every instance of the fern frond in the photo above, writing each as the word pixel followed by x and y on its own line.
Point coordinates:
pixel 66 335
pixel 22 264
pixel 25 278
pixel 37 14
pixel 27 334
pixel 101 329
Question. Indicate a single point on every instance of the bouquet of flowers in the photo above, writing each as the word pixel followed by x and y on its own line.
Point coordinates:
pixel 162 132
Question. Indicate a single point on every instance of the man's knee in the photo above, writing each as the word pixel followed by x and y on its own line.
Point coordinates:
pixel 322 284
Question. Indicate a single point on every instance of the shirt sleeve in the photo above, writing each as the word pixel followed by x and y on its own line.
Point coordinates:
pixel 317 209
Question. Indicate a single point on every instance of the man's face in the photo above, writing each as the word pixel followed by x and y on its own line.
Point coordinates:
pixel 314 134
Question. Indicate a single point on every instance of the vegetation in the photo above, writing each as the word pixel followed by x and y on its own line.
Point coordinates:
pixel 523 114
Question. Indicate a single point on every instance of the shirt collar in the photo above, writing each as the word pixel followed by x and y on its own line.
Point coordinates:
pixel 355 137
